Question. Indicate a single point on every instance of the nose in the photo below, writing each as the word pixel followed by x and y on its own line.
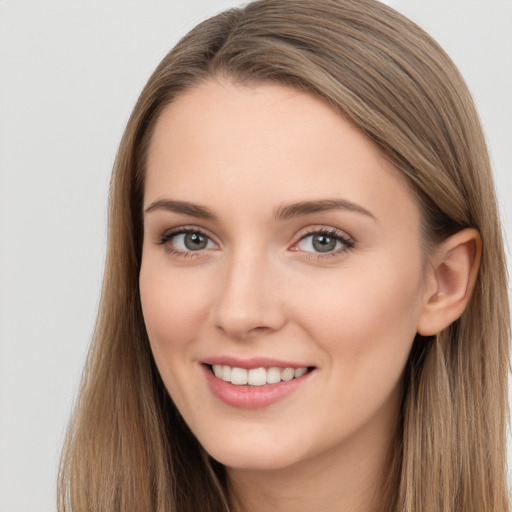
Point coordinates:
pixel 249 302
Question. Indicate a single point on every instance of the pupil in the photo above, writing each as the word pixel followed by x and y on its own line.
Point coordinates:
pixel 195 241
pixel 323 243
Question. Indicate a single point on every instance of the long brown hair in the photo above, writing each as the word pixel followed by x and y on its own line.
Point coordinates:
pixel 128 448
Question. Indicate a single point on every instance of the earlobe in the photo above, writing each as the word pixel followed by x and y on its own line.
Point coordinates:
pixel 454 272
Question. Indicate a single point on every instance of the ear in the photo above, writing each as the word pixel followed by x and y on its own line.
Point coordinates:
pixel 451 281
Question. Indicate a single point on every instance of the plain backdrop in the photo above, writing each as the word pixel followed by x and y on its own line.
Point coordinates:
pixel 70 72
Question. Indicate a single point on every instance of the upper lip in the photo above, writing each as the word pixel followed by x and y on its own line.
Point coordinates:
pixel 253 362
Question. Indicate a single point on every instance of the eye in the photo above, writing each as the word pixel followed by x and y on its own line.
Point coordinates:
pixel 186 240
pixel 324 242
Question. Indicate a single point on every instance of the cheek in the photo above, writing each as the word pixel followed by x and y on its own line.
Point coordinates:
pixel 364 315
pixel 365 325
pixel 173 305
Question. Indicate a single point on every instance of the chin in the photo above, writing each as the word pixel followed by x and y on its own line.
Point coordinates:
pixel 253 457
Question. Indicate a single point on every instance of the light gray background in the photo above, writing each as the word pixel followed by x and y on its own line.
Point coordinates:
pixel 70 72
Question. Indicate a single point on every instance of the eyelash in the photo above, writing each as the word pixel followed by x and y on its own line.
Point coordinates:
pixel 346 241
pixel 169 235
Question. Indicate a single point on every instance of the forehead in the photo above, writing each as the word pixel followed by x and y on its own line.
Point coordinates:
pixel 253 147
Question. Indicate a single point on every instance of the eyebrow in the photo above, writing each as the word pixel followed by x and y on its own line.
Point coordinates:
pixel 323 205
pixel 184 207
pixel 283 212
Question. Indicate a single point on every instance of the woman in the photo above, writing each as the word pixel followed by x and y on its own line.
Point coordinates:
pixel 304 304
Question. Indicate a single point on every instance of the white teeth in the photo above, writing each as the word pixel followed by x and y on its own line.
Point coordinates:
pixel 256 376
pixel 226 373
pixel 288 374
pixel 273 375
pixel 238 376
pixel 299 372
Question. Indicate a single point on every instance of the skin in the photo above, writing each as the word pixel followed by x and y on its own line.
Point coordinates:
pixel 257 289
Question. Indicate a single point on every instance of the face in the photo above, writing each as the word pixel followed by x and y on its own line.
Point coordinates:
pixel 282 275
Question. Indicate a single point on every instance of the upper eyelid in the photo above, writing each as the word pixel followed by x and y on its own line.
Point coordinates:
pixel 305 232
pixel 347 241
pixel 165 237
pixel 327 231
pixel 188 229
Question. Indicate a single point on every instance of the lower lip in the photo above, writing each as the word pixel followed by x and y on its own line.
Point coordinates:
pixel 252 397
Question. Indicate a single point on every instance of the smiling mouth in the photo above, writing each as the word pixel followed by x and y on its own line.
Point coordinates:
pixel 256 376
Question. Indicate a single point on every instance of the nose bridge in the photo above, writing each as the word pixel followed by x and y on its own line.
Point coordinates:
pixel 247 302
